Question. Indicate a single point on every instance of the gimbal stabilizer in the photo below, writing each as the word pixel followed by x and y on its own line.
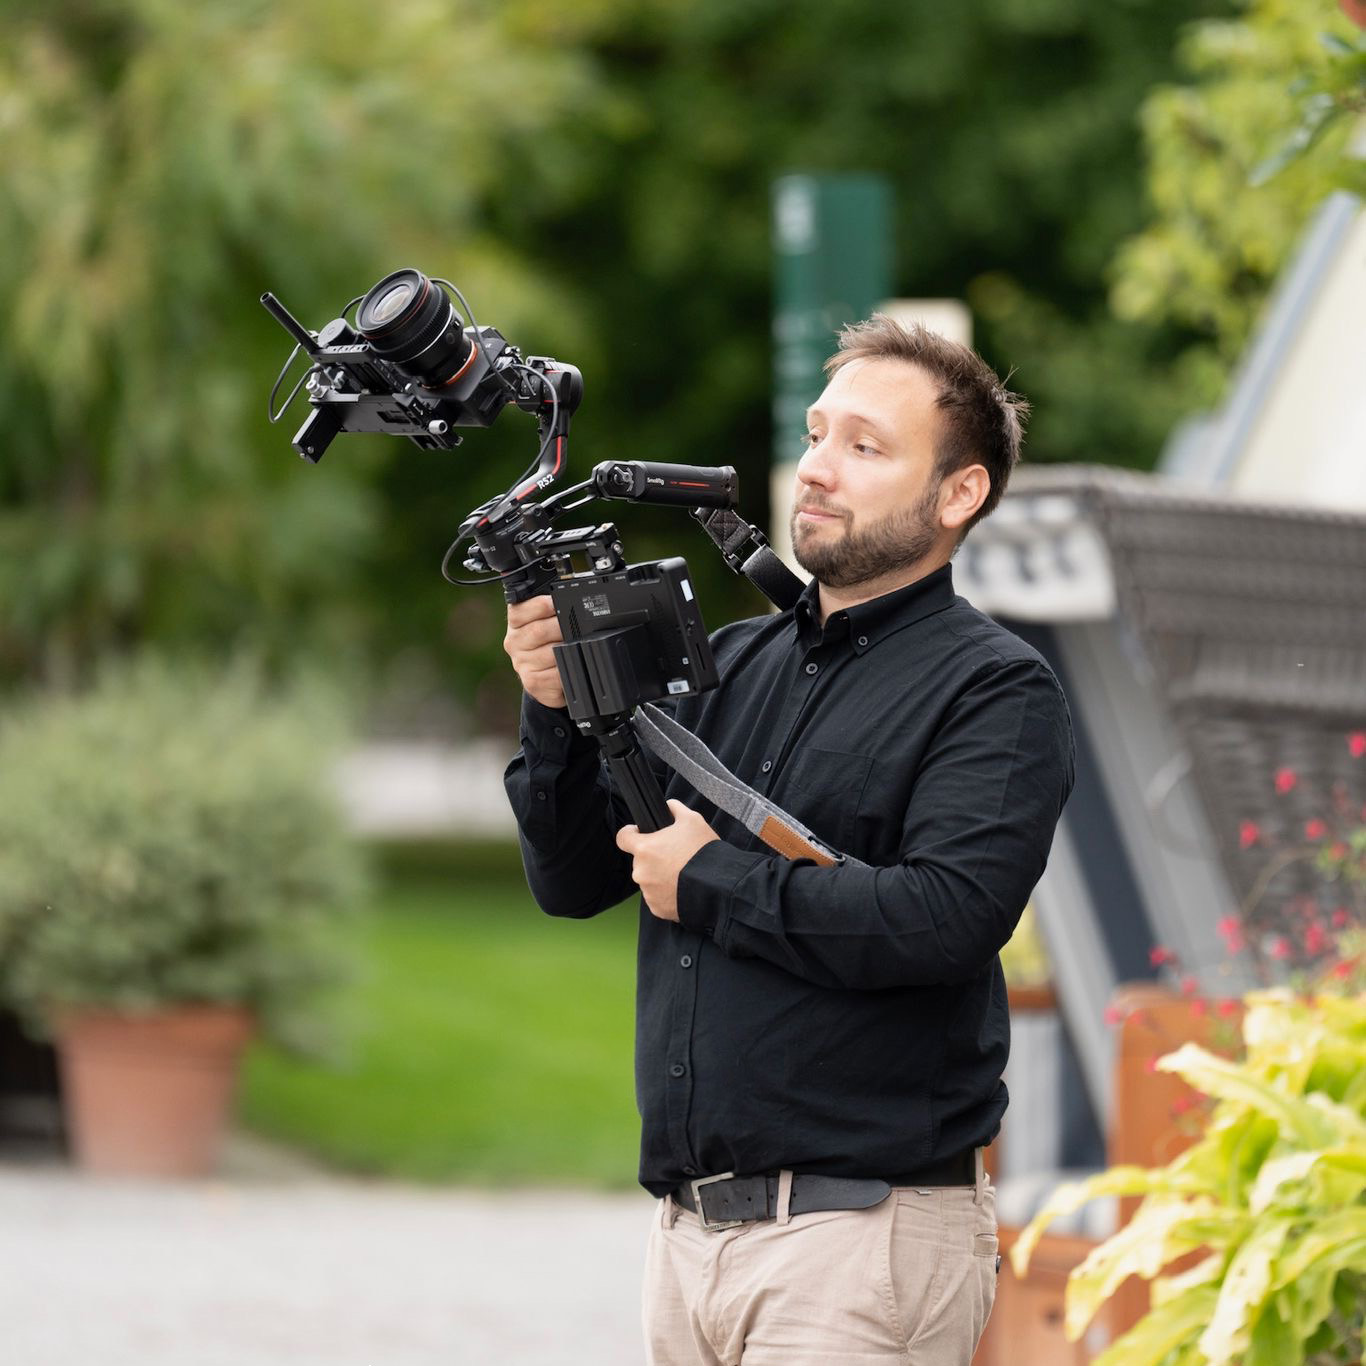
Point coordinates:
pixel 632 633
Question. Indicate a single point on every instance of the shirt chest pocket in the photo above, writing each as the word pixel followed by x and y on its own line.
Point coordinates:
pixel 823 789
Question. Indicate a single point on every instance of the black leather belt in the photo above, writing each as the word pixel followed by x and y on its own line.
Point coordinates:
pixel 727 1200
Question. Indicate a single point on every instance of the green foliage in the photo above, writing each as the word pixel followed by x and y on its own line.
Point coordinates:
pixel 163 165
pixel 171 836
pixel 1274 1193
pixel 1240 156
pixel 487 1043
pixel 596 178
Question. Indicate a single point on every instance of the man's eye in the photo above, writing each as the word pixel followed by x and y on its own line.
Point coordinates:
pixel 864 449
pixel 810 439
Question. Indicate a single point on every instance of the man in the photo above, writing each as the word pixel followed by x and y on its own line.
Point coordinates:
pixel 829 1040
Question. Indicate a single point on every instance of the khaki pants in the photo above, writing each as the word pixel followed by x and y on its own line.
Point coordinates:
pixel 911 1280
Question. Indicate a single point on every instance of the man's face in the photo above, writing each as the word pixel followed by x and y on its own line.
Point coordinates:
pixel 866 504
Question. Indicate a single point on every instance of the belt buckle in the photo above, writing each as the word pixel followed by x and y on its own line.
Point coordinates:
pixel 712 1225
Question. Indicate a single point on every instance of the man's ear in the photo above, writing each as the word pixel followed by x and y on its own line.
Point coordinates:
pixel 964 491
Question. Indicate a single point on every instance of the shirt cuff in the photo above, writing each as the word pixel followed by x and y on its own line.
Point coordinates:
pixel 551 732
pixel 706 884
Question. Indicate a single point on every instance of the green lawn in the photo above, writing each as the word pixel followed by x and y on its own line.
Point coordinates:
pixel 487 1043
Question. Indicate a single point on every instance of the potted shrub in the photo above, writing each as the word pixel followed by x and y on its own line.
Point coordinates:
pixel 173 864
pixel 1272 1201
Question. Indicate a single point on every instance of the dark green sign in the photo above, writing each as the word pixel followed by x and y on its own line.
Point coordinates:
pixel 832 245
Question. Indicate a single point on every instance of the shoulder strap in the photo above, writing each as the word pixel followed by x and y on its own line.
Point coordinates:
pixel 687 755
pixel 747 551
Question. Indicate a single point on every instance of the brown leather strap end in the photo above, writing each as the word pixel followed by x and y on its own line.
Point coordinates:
pixel 790 844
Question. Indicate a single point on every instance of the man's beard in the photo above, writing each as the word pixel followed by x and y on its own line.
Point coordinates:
pixel 895 542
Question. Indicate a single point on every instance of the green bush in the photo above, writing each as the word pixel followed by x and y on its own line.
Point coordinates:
pixel 1274 1194
pixel 170 836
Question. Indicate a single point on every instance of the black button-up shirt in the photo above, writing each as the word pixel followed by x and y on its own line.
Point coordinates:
pixel 848 1020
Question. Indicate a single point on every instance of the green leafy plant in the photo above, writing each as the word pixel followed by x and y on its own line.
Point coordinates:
pixel 1240 154
pixel 1273 1194
pixel 170 836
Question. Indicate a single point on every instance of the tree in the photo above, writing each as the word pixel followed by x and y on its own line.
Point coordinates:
pixel 162 165
pixel 596 178
pixel 1240 156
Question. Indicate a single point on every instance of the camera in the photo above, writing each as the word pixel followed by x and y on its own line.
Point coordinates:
pixel 411 366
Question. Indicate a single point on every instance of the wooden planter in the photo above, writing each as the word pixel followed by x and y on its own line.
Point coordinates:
pixel 149 1094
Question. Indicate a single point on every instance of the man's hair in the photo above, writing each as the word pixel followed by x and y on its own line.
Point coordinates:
pixel 982 422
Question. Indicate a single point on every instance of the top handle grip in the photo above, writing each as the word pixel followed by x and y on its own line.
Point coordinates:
pixel 692 486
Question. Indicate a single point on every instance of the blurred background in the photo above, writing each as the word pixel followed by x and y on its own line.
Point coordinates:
pixel 192 619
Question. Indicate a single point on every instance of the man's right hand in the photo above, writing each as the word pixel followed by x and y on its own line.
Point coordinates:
pixel 532 630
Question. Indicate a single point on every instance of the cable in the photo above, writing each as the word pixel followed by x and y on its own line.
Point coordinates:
pixel 469 313
pixel 275 388
pixel 493 577
pixel 513 365
pixel 554 419
pixel 284 370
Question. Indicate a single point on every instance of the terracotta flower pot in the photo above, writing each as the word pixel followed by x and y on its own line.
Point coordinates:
pixel 149 1094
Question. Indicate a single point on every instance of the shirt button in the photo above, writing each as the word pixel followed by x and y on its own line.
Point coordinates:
pixel 559 730
pixel 811 668
pixel 863 640
pixel 540 796
pixel 685 961
pixel 766 765
pixel 689 1171
pixel 677 1070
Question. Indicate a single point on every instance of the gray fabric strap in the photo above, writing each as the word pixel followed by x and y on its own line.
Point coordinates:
pixel 686 754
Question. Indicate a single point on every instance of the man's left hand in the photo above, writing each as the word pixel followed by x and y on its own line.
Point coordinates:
pixel 660 856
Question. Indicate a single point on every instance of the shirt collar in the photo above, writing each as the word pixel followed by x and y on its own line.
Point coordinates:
pixel 872 621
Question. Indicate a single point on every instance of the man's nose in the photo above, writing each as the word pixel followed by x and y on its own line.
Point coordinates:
pixel 815 466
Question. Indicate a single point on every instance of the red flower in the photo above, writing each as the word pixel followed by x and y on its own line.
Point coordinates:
pixel 1161 955
pixel 1340 918
pixel 1280 947
pixel 1227 1008
pixel 1150 1066
pixel 1189 986
pixel 1183 1103
pixel 1344 968
pixel 1355 10
pixel 1356 743
pixel 1286 778
pixel 1315 939
pixel 1315 829
pixel 1199 1007
pixel 1337 849
pixel 1113 1015
pixel 1232 930
pixel 1249 832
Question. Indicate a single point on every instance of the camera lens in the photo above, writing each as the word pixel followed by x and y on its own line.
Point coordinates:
pixel 390 304
pixel 408 320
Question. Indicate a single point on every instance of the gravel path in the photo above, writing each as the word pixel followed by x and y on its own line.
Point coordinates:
pixel 275 1263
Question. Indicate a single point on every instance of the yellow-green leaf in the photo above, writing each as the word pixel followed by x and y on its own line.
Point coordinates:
pixel 1072 1195
pixel 1158 1233
pixel 1177 1323
pixel 1225 1080
pixel 1243 1293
